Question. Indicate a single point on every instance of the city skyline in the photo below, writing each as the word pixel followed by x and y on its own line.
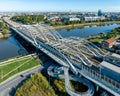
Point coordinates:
pixel 60 5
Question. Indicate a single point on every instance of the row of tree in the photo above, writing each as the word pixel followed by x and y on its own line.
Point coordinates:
pixel 67 22
pixel 28 19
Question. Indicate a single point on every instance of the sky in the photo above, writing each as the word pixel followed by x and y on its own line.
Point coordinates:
pixel 60 5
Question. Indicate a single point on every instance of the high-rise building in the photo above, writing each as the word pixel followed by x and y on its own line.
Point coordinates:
pixel 99 12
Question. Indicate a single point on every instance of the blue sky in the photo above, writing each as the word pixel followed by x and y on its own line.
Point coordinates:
pixel 59 5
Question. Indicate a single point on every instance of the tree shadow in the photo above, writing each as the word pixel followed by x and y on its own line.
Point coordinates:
pixel 13 90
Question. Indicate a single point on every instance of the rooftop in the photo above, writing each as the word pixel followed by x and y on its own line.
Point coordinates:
pixel 116 55
pixel 111 66
pixel 111 40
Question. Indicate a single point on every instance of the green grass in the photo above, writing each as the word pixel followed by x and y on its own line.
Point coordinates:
pixel 96 40
pixel 37 85
pixel 5 69
pixel 13 59
pixel 23 66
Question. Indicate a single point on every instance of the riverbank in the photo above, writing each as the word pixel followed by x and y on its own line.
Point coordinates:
pixel 4 36
pixel 115 33
pixel 17 65
pixel 85 24
pixel 4 30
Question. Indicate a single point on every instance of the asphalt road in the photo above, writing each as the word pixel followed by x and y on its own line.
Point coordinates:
pixel 8 88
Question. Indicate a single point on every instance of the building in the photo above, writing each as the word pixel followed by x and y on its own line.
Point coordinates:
pixel 118 40
pixel 112 58
pixel 109 43
pixel 55 18
pixel 94 18
pixel 99 12
pixel 74 19
pixel 108 69
pixel 0 17
pixel 111 65
pixel 65 18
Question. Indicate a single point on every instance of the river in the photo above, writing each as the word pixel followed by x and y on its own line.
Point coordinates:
pixel 10 47
pixel 87 31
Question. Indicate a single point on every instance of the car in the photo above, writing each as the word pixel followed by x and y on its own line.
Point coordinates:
pixel 21 75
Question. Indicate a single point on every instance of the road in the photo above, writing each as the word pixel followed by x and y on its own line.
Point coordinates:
pixel 8 87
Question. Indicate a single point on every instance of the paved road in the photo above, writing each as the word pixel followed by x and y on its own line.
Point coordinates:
pixel 8 88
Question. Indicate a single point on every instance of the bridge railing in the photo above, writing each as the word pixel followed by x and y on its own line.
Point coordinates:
pixel 72 91
pixel 114 84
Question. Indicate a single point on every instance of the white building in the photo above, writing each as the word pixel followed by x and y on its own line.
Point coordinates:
pixel 74 19
pixel 55 18
pixel 95 18
pixel 0 17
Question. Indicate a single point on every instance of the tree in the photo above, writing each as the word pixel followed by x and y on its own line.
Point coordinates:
pixel 1 24
pixel 28 19
pixel 5 31
pixel 111 35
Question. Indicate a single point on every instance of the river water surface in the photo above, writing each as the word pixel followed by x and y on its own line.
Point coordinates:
pixel 10 47
pixel 87 31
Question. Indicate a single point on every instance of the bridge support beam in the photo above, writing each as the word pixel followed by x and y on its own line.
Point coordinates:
pixel 97 87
